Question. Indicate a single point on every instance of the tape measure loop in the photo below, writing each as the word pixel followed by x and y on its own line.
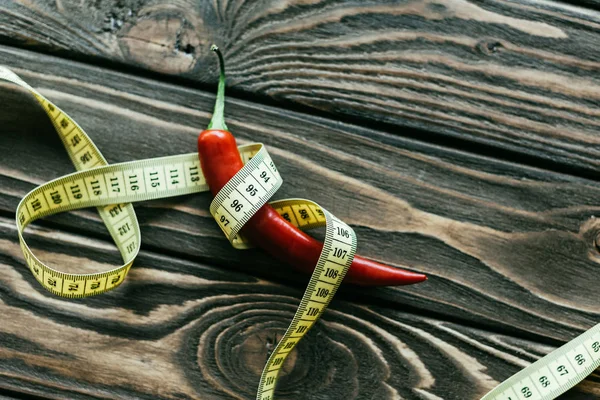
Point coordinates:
pixel 245 193
pixel 112 189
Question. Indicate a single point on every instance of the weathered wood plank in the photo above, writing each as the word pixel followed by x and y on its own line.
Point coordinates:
pixel 504 245
pixel 180 329
pixel 519 75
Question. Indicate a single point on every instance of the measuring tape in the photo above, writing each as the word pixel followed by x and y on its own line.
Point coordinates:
pixel 554 374
pixel 111 188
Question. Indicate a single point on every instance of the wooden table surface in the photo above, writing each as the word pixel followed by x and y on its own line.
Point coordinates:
pixel 458 137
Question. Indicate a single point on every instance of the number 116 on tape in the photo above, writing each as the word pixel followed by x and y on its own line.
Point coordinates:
pixel 554 374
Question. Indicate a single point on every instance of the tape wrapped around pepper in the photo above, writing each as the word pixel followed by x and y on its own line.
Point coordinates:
pixel 267 229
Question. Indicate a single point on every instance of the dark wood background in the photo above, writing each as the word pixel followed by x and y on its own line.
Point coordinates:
pixel 459 138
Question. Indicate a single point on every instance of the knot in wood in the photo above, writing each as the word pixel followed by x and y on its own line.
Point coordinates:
pixel 489 47
pixel 164 40
pixel 257 347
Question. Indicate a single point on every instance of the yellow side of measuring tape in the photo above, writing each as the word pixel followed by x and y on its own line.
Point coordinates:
pixel 111 188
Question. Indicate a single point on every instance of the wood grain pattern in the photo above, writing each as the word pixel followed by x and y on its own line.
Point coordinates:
pixel 466 220
pixel 517 75
pixel 182 330
pixel 509 250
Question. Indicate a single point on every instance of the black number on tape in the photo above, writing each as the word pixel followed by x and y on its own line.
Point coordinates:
pixel 331 273
pixel 96 188
pixel 36 204
pixel 55 197
pixel 194 173
pixel 174 176
pixel 123 229
pixel 544 381
pixel 251 190
pixel 154 179
pixel 133 182
pixel 237 206
pixel 264 176
pixel 562 370
pixel 343 232
pixel 301 329
pixel 75 140
pixel 339 253
pixel 76 192
pixel 86 157
pixel 116 210
pixel 114 183
pixel 312 311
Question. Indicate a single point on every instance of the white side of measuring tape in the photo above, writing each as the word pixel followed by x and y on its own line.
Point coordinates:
pixel 112 188
pixel 553 375
pixel 336 257
pixel 244 194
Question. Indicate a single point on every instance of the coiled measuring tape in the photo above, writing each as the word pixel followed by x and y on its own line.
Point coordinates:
pixel 111 188
pixel 554 374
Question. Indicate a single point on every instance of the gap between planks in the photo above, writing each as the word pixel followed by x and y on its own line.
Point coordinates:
pixel 284 279
pixel 448 141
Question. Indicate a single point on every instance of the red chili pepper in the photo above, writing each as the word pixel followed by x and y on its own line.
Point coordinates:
pixel 220 160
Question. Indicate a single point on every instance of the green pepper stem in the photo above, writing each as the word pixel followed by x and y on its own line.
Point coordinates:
pixel 218 118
